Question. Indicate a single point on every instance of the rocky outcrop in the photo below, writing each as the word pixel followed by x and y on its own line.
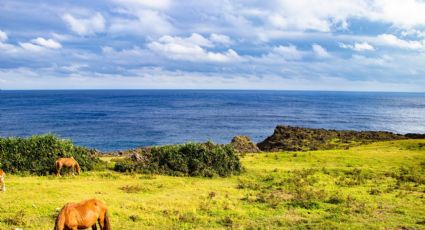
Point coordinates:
pixel 288 138
pixel 415 136
pixel 242 144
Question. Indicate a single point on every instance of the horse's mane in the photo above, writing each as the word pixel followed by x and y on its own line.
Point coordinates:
pixel 60 221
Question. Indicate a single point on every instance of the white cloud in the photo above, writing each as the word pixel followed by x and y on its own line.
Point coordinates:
pixel 220 38
pixel 157 78
pixel 417 33
pixel 318 15
pixel 3 36
pixel 191 49
pixel 85 26
pixel 287 52
pixel 363 46
pixel 378 61
pixel 35 46
pixel 62 37
pixel 392 40
pixel 403 14
pixel 322 15
pixel 146 18
pixel 31 47
pixel 48 43
pixel 74 67
pixel 8 48
pixel 319 51
pixel 147 23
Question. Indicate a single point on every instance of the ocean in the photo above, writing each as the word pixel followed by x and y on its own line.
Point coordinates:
pixel 122 119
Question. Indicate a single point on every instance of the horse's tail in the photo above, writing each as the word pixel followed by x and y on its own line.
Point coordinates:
pixel 106 223
pixel 60 222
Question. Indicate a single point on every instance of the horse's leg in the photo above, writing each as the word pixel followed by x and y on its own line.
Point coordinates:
pixel 94 227
pixel 58 170
pixel 3 185
pixel 101 222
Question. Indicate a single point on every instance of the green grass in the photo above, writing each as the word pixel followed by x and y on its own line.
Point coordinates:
pixel 375 186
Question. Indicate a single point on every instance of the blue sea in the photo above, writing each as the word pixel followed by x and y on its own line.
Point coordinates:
pixel 123 119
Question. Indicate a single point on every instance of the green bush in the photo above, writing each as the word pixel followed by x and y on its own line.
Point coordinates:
pixel 37 154
pixel 190 159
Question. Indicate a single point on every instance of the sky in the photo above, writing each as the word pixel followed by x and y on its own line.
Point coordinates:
pixel 352 45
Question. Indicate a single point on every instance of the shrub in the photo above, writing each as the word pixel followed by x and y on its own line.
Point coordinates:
pixel 190 159
pixel 37 154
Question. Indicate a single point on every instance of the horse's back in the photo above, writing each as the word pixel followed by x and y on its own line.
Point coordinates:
pixel 66 161
pixel 84 214
pixel 94 203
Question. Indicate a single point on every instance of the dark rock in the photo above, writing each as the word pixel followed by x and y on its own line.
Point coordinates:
pixel 415 136
pixel 288 138
pixel 242 144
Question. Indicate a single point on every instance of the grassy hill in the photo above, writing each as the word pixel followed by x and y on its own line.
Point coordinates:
pixel 374 186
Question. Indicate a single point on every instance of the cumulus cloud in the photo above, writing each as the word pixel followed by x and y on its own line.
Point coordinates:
pixel 192 48
pixel 145 18
pixel 48 43
pixel 147 23
pixel 319 51
pixel 3 36
pixel 85 26
pixel 403 14
pixel 287 52
pixel 8 48
pixel 36 45
pixel 363 46
pixel 392 40
pixel 220 38
pixel 31 47
pixel 322 15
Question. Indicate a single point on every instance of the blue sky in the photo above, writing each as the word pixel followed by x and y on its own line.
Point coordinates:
pixel 360 45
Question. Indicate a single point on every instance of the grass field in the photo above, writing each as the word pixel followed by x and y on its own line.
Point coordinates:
pixel 375 186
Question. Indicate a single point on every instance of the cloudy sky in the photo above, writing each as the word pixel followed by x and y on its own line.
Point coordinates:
pixel 362 45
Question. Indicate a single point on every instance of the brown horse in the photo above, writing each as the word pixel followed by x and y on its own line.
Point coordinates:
pixel 83 215
pixel 69 163
pixel 3 185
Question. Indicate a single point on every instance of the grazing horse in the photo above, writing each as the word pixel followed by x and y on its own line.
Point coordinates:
pixel 3 185
pixel 83 215
pixel 69 163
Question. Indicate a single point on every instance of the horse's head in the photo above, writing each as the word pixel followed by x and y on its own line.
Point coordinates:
pixel 77 167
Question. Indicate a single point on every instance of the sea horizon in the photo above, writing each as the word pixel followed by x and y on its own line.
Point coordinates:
pixel 218 89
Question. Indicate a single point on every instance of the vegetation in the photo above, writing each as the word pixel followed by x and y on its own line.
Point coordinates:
pixel 374 186
pixel 190 159
pixel 288 138
pixel 37 154
pixel 242 145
